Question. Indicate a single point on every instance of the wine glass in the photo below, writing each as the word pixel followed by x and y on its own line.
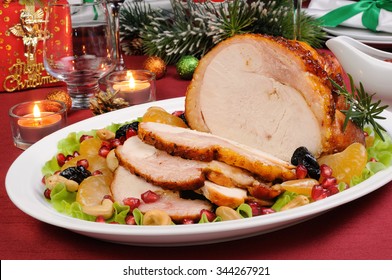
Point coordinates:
pixel 114 6
pixel 297 6
pixel 79 47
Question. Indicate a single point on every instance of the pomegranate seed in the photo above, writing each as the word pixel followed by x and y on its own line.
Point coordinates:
pixel 115 143
pixel 149 196
pixel 132 202
pixel 333 189
pixel 365 134
pixel 61 159
pixel 266 210
pixel 327 182
pixel 373 160
pixel 97 172
pixel 130 133
pixel 84 137
pixel 104 151
pixel 325 171
pixel 188 221
pixel 318 192
pixel 76 153
pixel 106 144
pixel 69 157
pixel 47 193
pixel 301 171
pixel 130 220
pixel 114 222
pixel 82 162
pixel 256 208
pixel 209 215
pixel 100 219
pixel 177 113
pixel 108 196
pixel 43 179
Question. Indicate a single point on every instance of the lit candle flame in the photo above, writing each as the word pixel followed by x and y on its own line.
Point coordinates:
pixel 131 80
pixel 36 111
pixel 37 115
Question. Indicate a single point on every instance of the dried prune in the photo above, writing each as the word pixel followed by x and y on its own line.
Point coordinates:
pixel 76 173
pixel 302 156
pixel 122 131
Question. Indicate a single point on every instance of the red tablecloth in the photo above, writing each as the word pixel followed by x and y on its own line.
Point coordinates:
pixel 360 229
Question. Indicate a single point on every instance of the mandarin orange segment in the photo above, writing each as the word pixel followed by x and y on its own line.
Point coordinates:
pixel 92 190
pixel 159 115
pixel 348 163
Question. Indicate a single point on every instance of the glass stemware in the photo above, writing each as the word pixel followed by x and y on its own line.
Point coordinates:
pixel 115 6
pixel 79 47
pixel 297 6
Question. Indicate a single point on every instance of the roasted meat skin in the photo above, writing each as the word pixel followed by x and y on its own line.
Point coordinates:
pixel 269 93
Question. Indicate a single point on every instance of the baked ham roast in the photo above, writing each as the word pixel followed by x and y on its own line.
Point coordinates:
pixel 269 93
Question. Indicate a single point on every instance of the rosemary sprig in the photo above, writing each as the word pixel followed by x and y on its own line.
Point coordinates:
pixel 361 108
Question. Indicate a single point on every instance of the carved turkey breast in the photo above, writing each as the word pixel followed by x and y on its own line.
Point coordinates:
pixel 269 93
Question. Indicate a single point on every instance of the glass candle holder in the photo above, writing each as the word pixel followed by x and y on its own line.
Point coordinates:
pixel 134 86
pixel 33 120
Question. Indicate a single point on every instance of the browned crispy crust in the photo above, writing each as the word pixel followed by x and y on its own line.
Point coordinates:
pixel 267 172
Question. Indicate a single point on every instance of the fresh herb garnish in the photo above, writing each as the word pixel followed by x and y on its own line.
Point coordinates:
pixel 361 108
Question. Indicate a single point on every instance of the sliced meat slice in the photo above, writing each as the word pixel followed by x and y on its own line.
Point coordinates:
pixel 202 146
pixel 126 185
pixel 223 196
pixel 160 168
pixel 176 173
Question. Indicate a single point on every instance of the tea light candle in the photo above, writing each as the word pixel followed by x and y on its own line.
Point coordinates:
pixel 37 125
pixel 31 121
pixel 134 86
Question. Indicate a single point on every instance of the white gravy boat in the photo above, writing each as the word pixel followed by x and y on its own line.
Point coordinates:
pixel 366 65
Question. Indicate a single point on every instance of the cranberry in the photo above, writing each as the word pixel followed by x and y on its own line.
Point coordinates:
pixel 209 215
pixel 100 219
pixel 82 162
pixel 61 159
pixel 132 202
pixel 325 171
pixel 47 193
pixel 301 171
pixel 104 151
pixel 149 196
pixel 84 137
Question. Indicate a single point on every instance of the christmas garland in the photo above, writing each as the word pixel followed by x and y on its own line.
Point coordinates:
pixel 194 28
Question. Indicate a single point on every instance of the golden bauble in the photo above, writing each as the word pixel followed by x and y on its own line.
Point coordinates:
pixel 61 95
pixel 156 65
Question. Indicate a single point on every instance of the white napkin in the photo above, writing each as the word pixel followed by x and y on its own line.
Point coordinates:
pixel 318 8
pixel 155 4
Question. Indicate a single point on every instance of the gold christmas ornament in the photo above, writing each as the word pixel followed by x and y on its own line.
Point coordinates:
pixel 61 95
pixel 156 65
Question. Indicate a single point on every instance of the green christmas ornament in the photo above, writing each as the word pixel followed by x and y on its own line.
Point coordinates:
pixel 186 66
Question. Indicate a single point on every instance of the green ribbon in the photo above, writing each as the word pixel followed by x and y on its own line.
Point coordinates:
pixel 94 8
pixel 370 8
